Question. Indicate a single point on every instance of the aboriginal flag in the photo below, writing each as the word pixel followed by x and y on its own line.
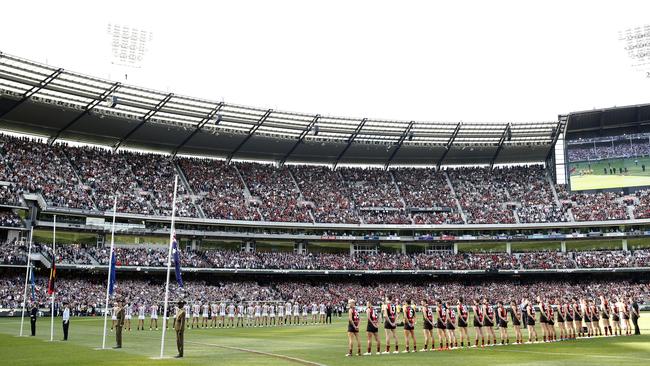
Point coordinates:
pixel 50 285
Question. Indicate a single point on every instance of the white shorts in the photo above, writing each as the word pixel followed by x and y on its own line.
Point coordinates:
pixel 272 315
pixel 205 315
pixel 304 314
pixel 265 314
pixel 127 317
pixel 296 314
pixel 257 315
pixel 195 315
pixel 222 314
pixel 154 317
pixel 239 315
pixel 141 317
pixel 114 317
pixel 231 315
pixel 314 313
pixel 322 313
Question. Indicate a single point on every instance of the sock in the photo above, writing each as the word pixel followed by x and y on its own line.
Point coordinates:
pixel 387 348
pixel 396 347
pixel 368 349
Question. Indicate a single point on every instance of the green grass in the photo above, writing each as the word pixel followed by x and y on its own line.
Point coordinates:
pixel 598 180
pixel 321 344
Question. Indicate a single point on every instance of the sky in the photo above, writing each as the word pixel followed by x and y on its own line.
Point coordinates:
pixel 409 60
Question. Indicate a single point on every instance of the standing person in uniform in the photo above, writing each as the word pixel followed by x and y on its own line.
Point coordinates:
pixel 489 321
pixel 353 328
pixel 441 324
pixel 372 329
pixel 626 317
pixel 568 320
pixel 66 320
pixel 502 320
pixel 451 326
pixel 478 323
pixel 328 314
pixel 179 326
pixel 113 316
pixel 530 316
pixel 119 314
pixel 128 315
pixel 515 315
pixel 576 313
pixel 409 326
pixel 141 314
pixel 33 315
pixel 616 318
pixel 561 319
pixel 604 315
pixel 463 322
pixel 634 314
pixel 154 316
pixel 390 324
pixel 427 326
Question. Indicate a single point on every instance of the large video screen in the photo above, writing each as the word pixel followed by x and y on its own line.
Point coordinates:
pixel 609 162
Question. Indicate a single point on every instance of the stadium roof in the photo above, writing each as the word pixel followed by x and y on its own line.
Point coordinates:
pixel 60 104
pixel 603 122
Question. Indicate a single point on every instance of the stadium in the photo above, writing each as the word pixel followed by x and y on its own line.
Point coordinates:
pixel 266 233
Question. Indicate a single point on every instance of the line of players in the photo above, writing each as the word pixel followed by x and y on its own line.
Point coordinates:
pixel 572 317
pixel 230 315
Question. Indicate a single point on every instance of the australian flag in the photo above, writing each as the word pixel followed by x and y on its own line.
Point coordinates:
pixel 177 261
pixel 111 283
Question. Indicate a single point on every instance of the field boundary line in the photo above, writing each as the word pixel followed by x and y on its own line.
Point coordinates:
pixel 275 355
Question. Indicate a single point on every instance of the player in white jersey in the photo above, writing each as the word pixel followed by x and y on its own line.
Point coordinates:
pixel 280 320
pixel 258 314
pixel 314 313
pixel 305 314
pixel 186 307
pixel 222 314
pixel 141 315
pixel 214 310
pixel 128 314
pixel 287 313
pixel 196 309
pixel 205 314
pixel 322 313
pixel 249 315
pixel 231 315
pixel 265 315
pixel 296 314
pixel 113 316
pixel 153 313
pixel 272 315
pixel 240 314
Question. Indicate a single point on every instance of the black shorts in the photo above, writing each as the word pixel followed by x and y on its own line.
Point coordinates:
pixel 626 317
pixel 569 319
pixel 427 326
pixel 408 326
pixel 604 316
pixel 440 325
pixel 550 322
pixel 388 326
pixel 371 328
pixel 516 322
pixel 615 318
pixel 543 319
pixel 560 319
pixel 531 321
pixel 352 329
pixel 462 323
pixel 450 326
pixel 587 319
pixel 488 323
pixel 578 318
pixel 503 324
pixel 477 323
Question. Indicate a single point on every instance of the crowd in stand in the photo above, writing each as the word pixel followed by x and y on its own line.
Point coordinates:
pixel 140 292
pixel 86 177
pixel 608 150
pixel 10 219
pixel 444 260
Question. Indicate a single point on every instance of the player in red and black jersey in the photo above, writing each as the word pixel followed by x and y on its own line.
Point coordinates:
pixel 530 316
pixel 409 326
pixel 390 323
pixel 427 326
pixel 543 318
pixel 515 315
pixel 478 322
pixel 502 320
pixel 551 323
pixel 561 319
pixel 576 313
pixel 372 329
pixel 463 320
pixel 595 318
pixel 441 324
pixel 488 322
pixel 616 319
pixel 451 326
pixel 605 311
pixel 586 315
pixel 568 321
pixel 353 328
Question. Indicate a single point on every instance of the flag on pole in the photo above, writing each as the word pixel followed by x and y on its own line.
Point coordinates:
pixel 177 261
pixel 50 285
pixel 111 283
pixel 31 279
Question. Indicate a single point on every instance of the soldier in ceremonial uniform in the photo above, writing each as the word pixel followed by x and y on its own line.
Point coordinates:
pixel 66 320
pixel 33 314
pixel 179 325
pixel 119 313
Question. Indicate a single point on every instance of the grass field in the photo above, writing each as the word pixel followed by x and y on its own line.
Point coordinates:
pixel 599 180
pixel 306 345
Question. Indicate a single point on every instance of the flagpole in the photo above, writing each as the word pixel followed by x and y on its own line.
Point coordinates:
pixel 108 282
pixel 29 262
pixel 53 290
pixel 169 266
